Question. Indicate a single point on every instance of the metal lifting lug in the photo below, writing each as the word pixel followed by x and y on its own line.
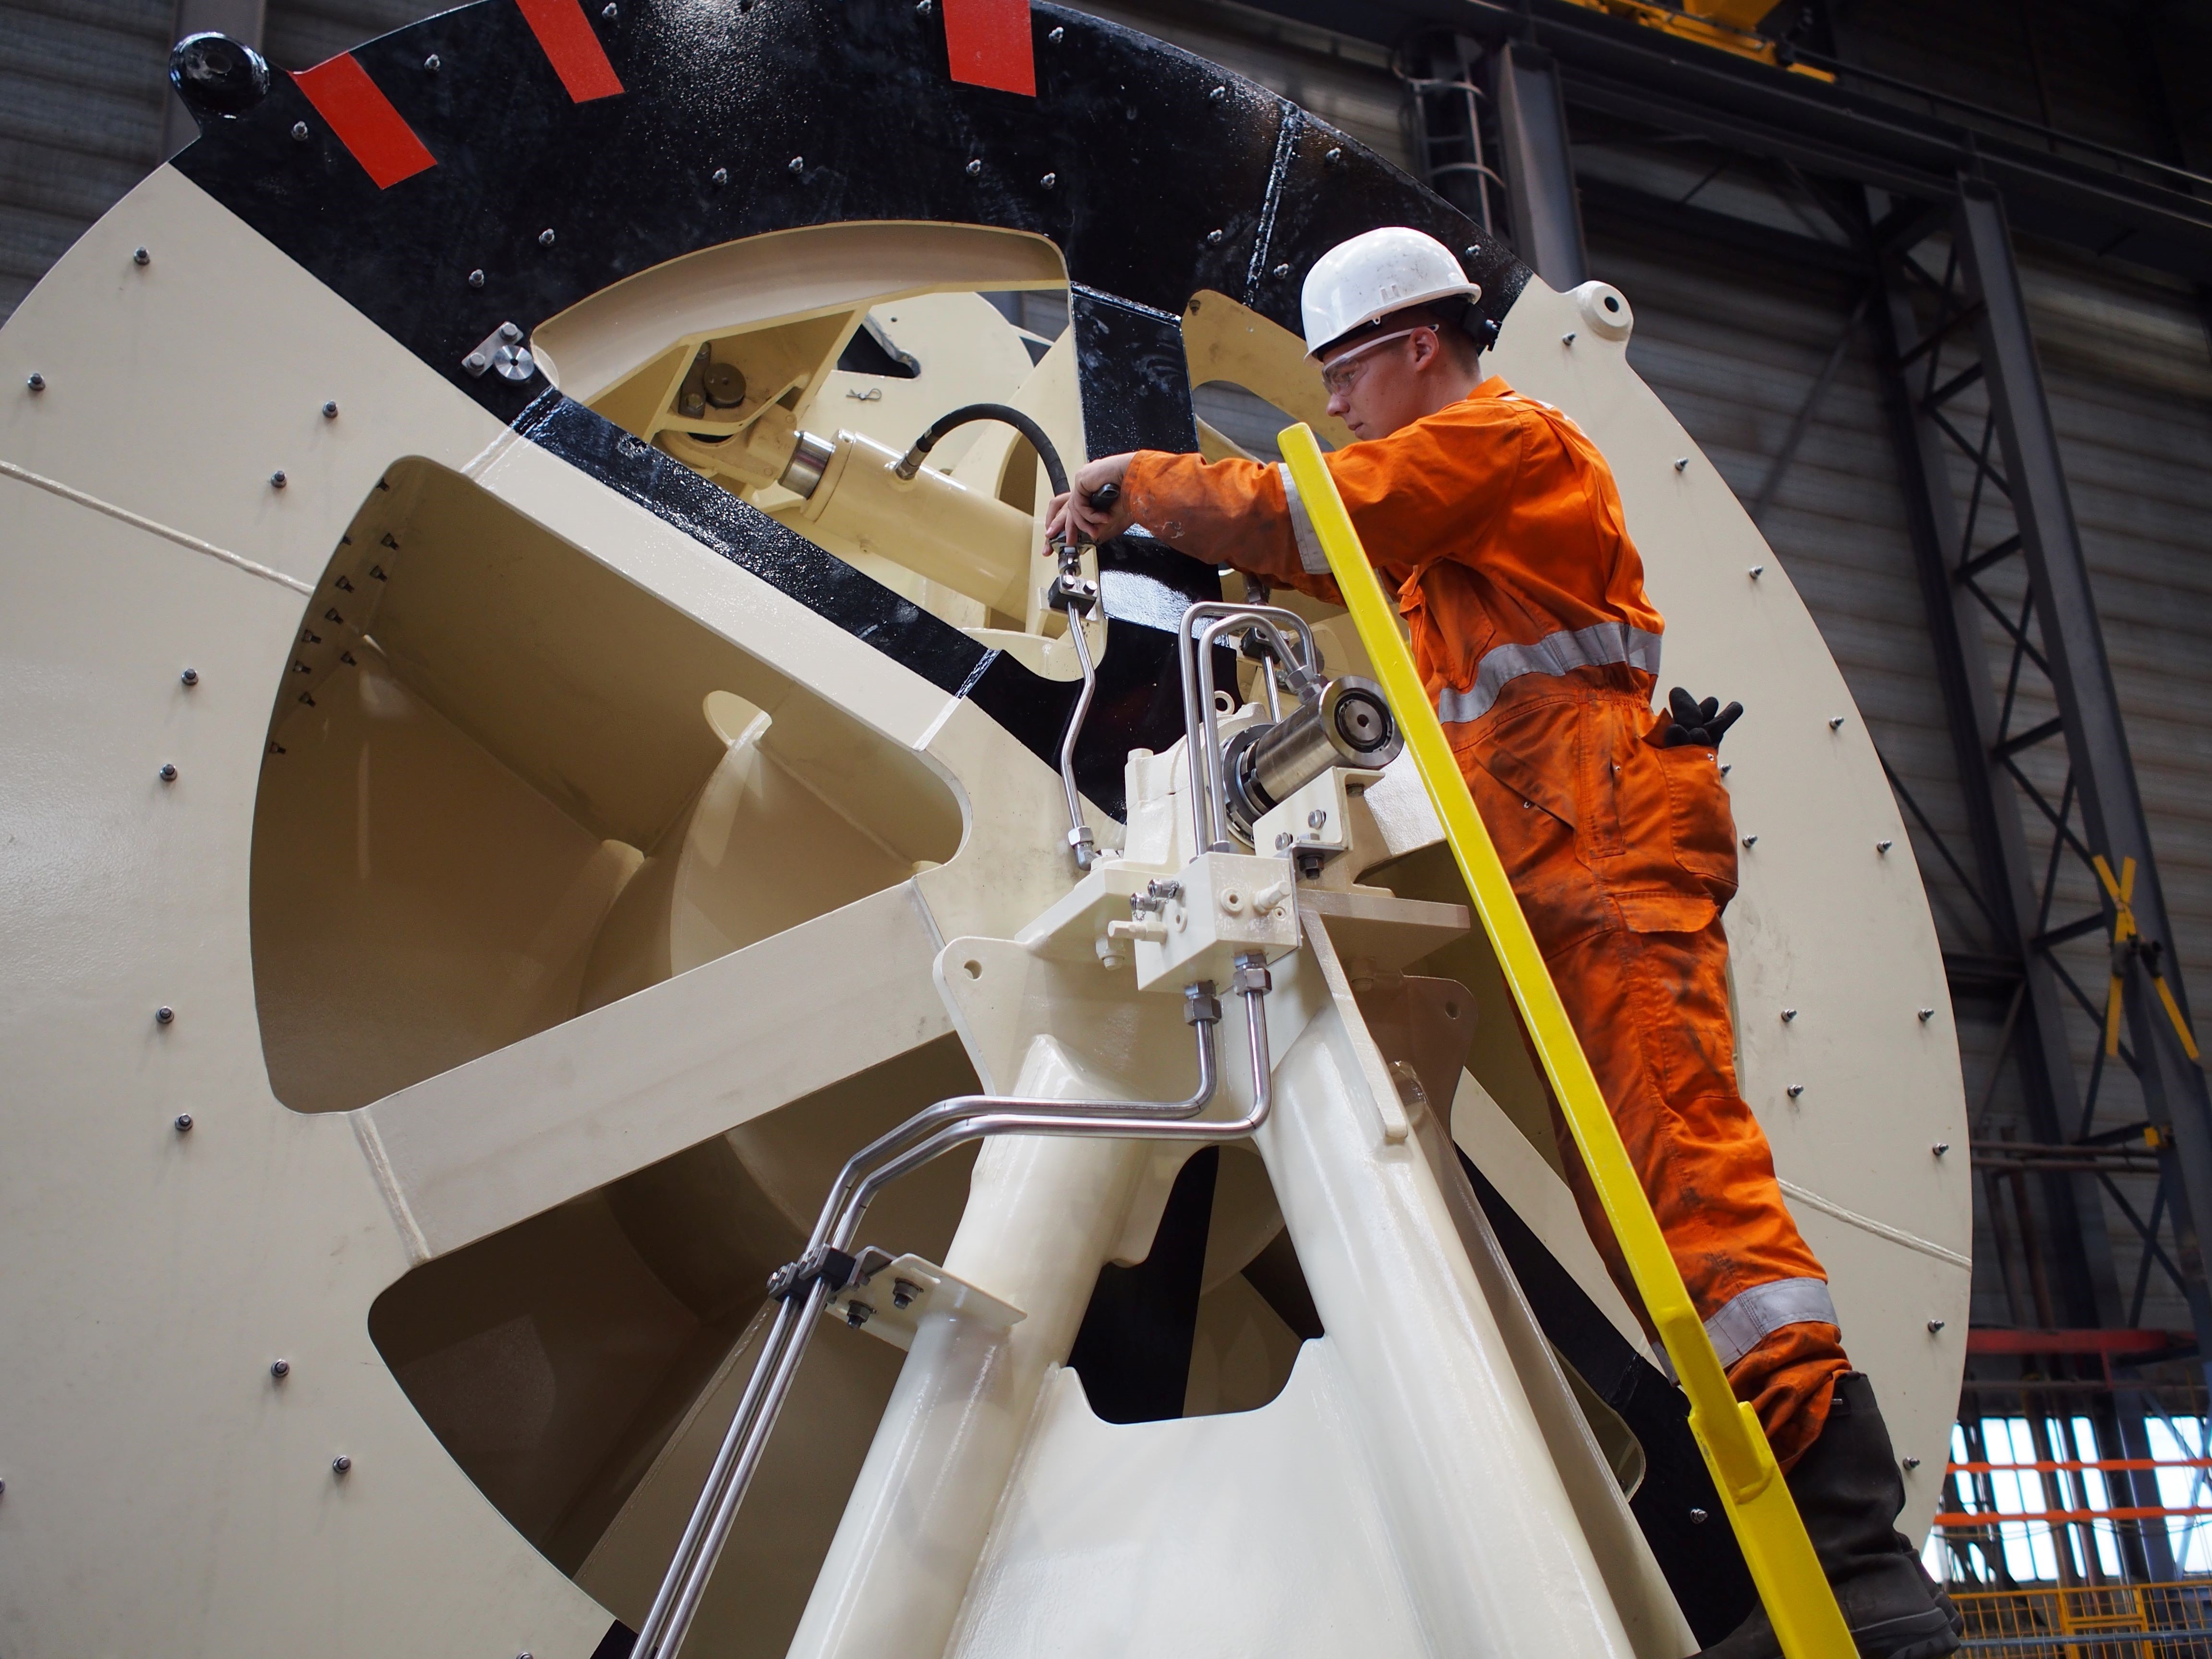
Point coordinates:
pixel 1251 975
pixel 1199 1006
pixel 833 1268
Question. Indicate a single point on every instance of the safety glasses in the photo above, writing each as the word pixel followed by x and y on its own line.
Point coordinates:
pixel 1343 372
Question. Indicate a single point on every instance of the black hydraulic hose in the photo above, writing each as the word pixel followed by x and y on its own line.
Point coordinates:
pixel 1081 839
pixel 910 463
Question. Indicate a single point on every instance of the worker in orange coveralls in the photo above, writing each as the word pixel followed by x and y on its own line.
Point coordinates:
pixel 1498 522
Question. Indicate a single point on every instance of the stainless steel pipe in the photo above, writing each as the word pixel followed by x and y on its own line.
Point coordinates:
pixel 1202 727
pixel 1080 840
pixel 928 1135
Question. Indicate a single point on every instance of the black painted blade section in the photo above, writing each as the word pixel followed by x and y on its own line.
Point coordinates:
pixel 816 111
pixel 1703 1566
pixel 1135 378
pixel 1133 1352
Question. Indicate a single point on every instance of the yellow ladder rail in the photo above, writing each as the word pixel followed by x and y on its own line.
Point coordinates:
pixel 1759 1508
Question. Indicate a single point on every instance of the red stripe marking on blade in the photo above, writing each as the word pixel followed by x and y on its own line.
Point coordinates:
pixel 375 134
pixel 574 51
pixel 988 41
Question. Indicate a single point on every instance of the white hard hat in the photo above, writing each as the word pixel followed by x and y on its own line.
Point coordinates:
pixel 1374 274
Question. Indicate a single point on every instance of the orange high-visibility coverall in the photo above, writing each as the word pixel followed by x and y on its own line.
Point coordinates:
pixel 1498 520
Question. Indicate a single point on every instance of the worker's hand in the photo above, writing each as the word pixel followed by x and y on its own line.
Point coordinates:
pixel 1691 721
pixel 1094 507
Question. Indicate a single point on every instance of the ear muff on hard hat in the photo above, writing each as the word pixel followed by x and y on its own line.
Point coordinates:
pixel 1356 284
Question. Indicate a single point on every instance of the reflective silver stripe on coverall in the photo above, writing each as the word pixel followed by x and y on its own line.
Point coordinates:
pixel 1599 644
pixel 1751 1315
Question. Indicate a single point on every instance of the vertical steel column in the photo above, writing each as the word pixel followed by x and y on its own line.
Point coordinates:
pixel 1988 298
pixel 2104 775
pixel 1539 174
pixel 2089 1284
pixel 2096 739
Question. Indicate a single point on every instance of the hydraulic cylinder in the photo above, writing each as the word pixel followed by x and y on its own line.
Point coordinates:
pixel 971 542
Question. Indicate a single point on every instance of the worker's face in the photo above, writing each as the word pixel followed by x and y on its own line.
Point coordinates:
pixel 1376 386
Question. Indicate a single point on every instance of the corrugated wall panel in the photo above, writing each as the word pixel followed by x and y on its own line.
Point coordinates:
pixel 2129 373
pixel 80 122
pixel 2064 65
pixel 2128 378
pixel 82 89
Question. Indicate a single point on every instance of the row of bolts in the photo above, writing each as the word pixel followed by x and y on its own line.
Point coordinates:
pixel 277 480
pixel 279 1368
pixel 37 381
pixel 1334 156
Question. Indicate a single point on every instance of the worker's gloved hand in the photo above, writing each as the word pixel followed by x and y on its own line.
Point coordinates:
pixel 1691 721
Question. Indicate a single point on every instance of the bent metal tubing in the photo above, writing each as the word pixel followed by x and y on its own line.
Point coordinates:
pixel 1216 810
pixel 1209 824
pixel 1077 834
pixel 922 1138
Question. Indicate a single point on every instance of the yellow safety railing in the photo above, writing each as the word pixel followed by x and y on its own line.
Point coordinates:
pixel 1759 1508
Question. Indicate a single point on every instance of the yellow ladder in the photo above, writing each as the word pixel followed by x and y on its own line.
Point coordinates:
pixel 1767 1527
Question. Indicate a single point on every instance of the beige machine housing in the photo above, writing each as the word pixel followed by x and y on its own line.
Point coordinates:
pixel 410 1093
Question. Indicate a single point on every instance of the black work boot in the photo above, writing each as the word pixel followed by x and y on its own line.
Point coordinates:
pixel 1849 1491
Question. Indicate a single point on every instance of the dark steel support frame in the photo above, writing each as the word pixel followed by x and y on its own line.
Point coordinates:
pixel 2016 456
pixel 2102 776
pixel 1979 312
